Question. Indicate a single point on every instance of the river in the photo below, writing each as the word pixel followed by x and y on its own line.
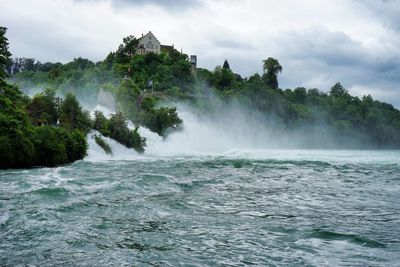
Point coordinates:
pixel 272 207
pixel 193 202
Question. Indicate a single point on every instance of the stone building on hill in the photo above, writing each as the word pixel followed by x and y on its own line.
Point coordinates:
pixel 148 44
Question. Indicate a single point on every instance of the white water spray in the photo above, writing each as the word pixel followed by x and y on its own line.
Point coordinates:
pixel 199 136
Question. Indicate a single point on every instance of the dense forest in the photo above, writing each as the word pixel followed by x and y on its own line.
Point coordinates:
pixel 46 130
pixel 143 88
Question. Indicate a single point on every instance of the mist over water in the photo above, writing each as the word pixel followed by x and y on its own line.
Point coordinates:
pixel 223 130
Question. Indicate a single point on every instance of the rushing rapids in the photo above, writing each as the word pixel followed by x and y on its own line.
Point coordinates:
pixel 194 199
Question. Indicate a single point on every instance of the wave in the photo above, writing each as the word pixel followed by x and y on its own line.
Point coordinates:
pixel 352 238
pixel 4 216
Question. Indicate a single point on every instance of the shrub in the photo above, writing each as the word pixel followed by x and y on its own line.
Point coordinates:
pixel 159 120
pixel 56 146
pixel 103 144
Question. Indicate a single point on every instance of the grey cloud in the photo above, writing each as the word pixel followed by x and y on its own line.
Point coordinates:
pixel 312 58
pixel 177 5
pixel 232 44
pixel 319 58
pixel 332 48
pixel 387 10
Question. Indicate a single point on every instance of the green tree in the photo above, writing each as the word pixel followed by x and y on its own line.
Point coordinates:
pixel 337 90
pixel 300 95
pixel 108 61
pixel 16 149
pixel 119 131
pixel 101 123
pixel 126 50
pixel 55 146
pixel 72 116
pixel 79 64
pixel 271 69
pixel 226 65
pixel 103 144
pixel 42 108
pixel 4 53
pixel 129 98
pixel 130 45
pixel 162 119
pixel 223 78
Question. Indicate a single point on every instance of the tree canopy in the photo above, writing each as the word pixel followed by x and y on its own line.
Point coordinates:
pixel 144 87
pixel 271 69
pixel 4 53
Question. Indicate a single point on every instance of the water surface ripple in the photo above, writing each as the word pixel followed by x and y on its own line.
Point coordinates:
pixel 266 209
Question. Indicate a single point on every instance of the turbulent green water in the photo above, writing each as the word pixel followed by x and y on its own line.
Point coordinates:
pixel 259 207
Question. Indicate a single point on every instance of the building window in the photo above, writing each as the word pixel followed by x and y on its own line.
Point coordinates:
pixel 150 45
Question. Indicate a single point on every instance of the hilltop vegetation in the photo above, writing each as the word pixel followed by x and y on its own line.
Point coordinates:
pixel 141 84
pixel 28 136
pixel 46 130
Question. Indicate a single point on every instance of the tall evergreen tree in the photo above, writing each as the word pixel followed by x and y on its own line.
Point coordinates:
pixel 226 65
pixel 4 53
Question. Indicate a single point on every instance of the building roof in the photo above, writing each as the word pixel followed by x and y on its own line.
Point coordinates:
pixel 151 34
pixel 168 48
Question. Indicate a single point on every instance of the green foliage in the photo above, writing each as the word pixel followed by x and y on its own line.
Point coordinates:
pixel 4 53
pixel 141 109
pixel 223 77
pixel 42 108
pixel 21 143
pixel 101 123
pixel 108 62
pixel 79 64
pixel 129 99
pixel 148 103
pixel 72 116
pixel 56 146
pixel 76 145
pixel 271 69
pixel 226 65
pixel 16 149
pixel 151 78
pixel 126 50
pixel 162 119
pixel 119 131
pixel 103 144
pixel 117 128
pixel 337 90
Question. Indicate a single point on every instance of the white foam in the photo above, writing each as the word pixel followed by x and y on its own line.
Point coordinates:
pixel 228 138
pixel 105 110
pixel 119 152
pixel 4 216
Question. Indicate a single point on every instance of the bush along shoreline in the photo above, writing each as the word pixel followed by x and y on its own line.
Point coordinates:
pixel 46 130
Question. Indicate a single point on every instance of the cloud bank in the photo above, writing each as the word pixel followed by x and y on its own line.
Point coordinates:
pixel 318 43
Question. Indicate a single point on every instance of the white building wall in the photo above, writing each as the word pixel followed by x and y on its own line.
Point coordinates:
pixel 150 43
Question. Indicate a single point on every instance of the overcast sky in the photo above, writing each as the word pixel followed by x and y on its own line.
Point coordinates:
pixel 318 42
